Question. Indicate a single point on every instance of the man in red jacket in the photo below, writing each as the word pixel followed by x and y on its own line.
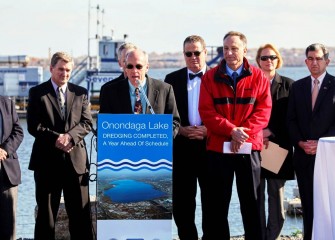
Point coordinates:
pixel 235 105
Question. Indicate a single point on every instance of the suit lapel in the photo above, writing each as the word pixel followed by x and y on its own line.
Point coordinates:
pixel 2 120
pixel 123 96
pixel 53 97
pixel 276 83
pixel 307 90
pixel 324 88
pixel 118 98
pixel 152 94
pixel 184 95
pixel 69 99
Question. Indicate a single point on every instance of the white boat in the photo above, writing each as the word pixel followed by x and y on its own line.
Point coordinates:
pixel 92 72
pixel 293 206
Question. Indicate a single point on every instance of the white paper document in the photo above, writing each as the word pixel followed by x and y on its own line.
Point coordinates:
pixel 273 157
pixel 245 148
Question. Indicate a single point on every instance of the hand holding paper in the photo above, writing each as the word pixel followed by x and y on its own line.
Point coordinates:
pixel 239 134
pixel 245 148
pixel 273 157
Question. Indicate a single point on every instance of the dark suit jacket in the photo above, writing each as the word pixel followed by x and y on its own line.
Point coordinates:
pixel 12 136
pixel 116 99
pixel 280 90
pixel 305 124
pixel 178 79
pixel 181 145
pixel 121 77
pixel 44 116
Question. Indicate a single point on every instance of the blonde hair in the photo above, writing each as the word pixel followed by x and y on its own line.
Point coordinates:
pixel 271 46
pixel 194 39
pixel 61 56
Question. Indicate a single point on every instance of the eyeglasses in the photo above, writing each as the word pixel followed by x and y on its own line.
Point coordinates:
pixel 131 66
pixel 196 53
pixel 265 58
pixel 311 59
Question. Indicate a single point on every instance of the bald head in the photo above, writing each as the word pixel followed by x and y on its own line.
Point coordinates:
pixel 136 65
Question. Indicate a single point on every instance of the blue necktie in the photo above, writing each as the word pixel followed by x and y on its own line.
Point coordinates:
pixel 234 76
pixel 192 76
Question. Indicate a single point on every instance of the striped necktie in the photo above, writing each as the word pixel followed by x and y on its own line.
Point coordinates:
pixel 61 101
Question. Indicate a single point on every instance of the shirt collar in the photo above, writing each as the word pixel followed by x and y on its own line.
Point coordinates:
pixel 320 78
pixel 230 71
pixel 203 70
pixel 55 86
pixel 132 87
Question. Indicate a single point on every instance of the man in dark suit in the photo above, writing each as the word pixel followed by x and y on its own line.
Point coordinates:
pixel 59 157
pixel 121 56
pixel 191 139
pixel 11 136
pixel 120 97
pixel 307 124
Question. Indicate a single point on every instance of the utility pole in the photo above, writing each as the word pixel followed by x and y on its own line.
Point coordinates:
pixel 88 38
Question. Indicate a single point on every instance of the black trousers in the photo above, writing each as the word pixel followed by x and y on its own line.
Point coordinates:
pixel 187 173
pixel 221 170
pixel 49 187
pixel 304 169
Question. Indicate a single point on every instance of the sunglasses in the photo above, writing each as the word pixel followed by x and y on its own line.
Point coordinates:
pixel 131 66
pixel 265 58
pixel 196 53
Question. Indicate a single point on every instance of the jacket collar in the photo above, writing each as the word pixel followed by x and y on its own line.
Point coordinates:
pixel 221 74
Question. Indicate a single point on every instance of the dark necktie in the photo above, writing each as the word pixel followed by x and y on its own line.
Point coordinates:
pixel 61 101
pixel 138 104
pixel 315 92
pixel 234 76
pixel 192 76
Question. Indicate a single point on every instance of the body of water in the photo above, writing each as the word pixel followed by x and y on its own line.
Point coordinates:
pixel 26 200
pixel 140 191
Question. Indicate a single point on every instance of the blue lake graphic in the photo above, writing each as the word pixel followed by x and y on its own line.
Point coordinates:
pixel 126 191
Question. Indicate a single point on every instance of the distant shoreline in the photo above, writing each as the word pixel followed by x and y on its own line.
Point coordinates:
pixel 292 57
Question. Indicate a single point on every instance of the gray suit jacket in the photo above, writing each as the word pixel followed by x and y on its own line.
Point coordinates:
pixel 44 122
pixel 12 136
pixel 116 99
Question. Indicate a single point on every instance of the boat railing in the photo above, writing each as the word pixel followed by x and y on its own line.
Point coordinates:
pixel 214 58
pixel 79 72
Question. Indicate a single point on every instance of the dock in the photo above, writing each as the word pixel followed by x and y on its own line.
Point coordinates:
pixel 293 206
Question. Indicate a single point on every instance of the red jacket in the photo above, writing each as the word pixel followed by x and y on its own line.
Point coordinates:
pixel 221 108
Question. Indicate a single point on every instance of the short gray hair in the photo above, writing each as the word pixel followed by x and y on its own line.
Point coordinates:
pixel 317 46
pixel 126 45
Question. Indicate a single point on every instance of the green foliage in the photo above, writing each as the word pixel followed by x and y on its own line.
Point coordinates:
pixel 296 233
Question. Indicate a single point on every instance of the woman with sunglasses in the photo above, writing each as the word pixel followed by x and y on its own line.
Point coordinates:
pixel 269 60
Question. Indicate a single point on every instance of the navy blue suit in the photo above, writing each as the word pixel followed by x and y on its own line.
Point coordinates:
pixel 305 124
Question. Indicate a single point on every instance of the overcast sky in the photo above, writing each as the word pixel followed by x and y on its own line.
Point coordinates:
pixel 33 27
